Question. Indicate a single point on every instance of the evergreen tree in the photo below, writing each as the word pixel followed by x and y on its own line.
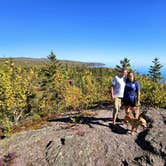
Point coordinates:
pixel 53 65
pixel 125 63
pixel 52 57
pixel 154 71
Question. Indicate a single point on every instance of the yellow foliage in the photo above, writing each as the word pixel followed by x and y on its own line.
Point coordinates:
pixel 72 96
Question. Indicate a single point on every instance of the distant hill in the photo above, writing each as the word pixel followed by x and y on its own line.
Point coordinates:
pixel 40 61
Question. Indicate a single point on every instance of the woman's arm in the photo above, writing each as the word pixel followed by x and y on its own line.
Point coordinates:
pixel 138 93
pixel 138 98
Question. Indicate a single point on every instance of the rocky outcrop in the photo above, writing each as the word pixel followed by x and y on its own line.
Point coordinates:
pixel 154 138
pixel 92 141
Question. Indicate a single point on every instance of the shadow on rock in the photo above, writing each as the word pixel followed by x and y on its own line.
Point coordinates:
pixel 83 120
pixel 141 141
pixel 125 163
pixel 118 129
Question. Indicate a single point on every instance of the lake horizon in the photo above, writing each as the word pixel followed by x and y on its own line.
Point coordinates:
pixel 142 70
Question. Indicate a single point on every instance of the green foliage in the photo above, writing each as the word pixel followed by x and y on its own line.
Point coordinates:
pixel 35 117
pixel 52 57
pixel 154 71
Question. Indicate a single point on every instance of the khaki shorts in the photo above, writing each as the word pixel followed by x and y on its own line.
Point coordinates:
pixel 117 105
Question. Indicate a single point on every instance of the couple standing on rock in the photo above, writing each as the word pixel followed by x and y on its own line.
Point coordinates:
pixel 125 90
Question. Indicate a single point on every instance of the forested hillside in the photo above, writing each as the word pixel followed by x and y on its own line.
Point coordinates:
pixel 33 90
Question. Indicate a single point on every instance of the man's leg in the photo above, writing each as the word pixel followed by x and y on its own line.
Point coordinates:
pixel 116 109
pixel 119 106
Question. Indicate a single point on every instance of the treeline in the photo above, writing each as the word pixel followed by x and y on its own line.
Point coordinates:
pixel 32 93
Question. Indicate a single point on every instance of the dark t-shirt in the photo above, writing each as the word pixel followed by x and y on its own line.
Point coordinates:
pixel 130 91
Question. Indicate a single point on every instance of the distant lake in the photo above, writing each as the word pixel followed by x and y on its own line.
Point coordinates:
pixel 144 70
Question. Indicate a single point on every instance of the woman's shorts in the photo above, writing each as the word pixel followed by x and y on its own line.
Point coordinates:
pixel 128 102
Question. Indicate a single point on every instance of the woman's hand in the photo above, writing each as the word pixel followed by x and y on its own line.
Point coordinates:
pixel 138 103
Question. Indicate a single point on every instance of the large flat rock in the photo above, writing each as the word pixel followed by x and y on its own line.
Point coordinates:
pixel 93 141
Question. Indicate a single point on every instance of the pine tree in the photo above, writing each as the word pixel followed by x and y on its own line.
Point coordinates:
pixel 154 71
pixel 52 57
pixel 54 63
pixel 125 63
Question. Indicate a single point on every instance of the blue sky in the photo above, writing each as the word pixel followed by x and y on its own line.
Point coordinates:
pixel 84 30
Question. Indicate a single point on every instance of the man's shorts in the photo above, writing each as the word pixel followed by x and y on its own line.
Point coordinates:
pixel 117 103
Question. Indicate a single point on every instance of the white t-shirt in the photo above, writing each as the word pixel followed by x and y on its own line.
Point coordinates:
pixel 118 86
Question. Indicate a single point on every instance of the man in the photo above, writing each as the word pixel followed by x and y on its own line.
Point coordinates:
pixel 117 91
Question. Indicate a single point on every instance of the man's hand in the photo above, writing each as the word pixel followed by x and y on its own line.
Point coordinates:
pixel 113 97
pixel 112 94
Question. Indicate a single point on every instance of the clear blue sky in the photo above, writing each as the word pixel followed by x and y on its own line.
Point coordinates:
pixel 86 30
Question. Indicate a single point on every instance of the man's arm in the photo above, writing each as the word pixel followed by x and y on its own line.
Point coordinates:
pixel 112 93
pixel 113 84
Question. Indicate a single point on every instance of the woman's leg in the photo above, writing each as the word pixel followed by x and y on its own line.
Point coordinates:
pixel 133 110
pixel 127 109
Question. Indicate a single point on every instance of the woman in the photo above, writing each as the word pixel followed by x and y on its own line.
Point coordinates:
pixel 131 97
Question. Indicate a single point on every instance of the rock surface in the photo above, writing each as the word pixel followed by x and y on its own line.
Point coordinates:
pixel 92 141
